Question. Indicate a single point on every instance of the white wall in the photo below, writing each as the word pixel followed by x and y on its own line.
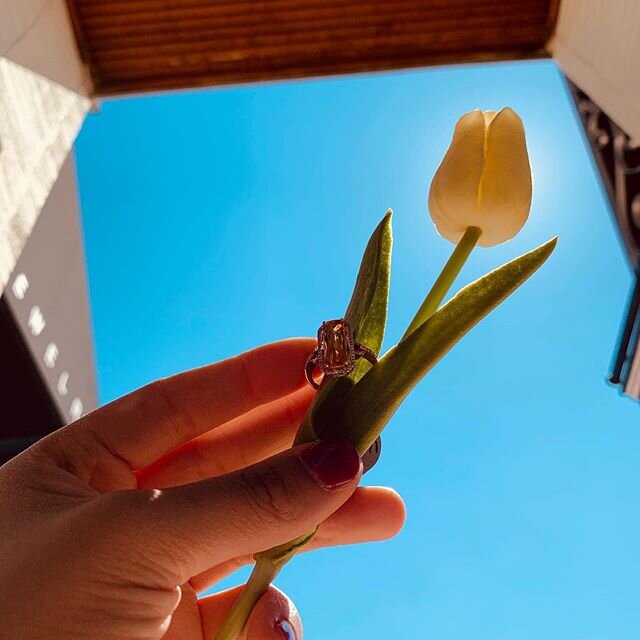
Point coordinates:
pixel 47 295
pixel 37 34
pixel 597 44
pixel 44 90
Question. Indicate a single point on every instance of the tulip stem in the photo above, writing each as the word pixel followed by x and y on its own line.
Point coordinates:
pixel 263 574
pixel 446 278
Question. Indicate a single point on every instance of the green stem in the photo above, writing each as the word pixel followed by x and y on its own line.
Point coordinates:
pixel 261 577
pixel 268 565
pixel 445 279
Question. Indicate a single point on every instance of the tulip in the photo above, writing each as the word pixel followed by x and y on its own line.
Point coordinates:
pixel 484 180
pixel 481 193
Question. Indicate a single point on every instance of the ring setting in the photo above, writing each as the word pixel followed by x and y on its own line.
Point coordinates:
pixel 337 351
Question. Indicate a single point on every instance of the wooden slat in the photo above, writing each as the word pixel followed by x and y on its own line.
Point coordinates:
pixel 288 11
pixel 142 45
pixel 350 36
pixel 107 35
pixel 112 9
pixel 221 77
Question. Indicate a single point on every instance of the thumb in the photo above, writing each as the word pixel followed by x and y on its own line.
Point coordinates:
pixel 192 527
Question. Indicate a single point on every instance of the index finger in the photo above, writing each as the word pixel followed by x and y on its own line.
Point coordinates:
pixel 144 425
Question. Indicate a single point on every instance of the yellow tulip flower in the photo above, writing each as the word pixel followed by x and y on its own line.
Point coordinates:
pixel 484 180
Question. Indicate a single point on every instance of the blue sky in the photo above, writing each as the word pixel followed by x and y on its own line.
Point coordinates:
pixel 218 220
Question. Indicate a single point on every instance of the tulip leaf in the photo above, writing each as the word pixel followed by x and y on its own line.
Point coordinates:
pixel 367 315
pixel 371 403
pixel 367 310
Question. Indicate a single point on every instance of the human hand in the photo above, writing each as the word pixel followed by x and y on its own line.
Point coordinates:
pixel 111 526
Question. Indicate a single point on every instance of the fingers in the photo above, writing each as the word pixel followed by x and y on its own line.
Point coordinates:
pixel 189 528
pixel 370 514
pixel 254 436
pixel 144 425
pixel 185 620
pixel 274 617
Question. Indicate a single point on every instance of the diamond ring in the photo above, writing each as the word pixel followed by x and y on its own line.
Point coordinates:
pixel 337 351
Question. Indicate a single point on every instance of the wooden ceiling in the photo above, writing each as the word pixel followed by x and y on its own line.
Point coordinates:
pixel 133 46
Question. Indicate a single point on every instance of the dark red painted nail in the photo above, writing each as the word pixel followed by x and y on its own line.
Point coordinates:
pixel 286 629
pixel 331 464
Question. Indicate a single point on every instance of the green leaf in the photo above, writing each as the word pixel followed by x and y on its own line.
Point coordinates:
pixel 367 310
pixel 367 315
pixel 371 403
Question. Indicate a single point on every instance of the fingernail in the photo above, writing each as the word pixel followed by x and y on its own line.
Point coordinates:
pixel 331 464
pixel 286 629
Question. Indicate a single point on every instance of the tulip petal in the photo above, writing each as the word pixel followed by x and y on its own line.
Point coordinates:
pixel 454 189
pixel 504 196
pixel 488 117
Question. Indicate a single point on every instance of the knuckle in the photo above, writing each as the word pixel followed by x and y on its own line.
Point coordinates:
pixel 125 522
pixel 123 512
pixel 156 394
pixel 269 493
pixel 115 514
pixel 115 506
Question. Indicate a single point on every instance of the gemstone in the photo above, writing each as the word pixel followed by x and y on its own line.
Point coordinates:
pixel 335 348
